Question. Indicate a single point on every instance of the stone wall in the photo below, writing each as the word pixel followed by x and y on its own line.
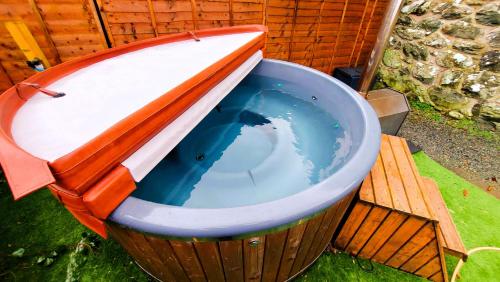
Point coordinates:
pixel 447 54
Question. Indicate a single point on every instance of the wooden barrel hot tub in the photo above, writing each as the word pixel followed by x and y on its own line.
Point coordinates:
pixel 213 226
pixel 274 255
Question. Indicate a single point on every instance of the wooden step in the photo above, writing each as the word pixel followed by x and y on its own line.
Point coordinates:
pixel 394 181
pixel 451 241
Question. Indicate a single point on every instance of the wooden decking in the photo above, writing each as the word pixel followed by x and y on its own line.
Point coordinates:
pixel 452 243
pixel 400 218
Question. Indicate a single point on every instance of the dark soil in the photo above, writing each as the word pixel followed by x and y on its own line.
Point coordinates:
pixel 474 158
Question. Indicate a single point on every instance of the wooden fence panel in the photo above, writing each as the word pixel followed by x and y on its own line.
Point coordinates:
pixel 64 29
pixel 323 34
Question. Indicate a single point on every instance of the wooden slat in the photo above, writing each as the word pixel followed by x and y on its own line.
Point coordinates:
pixel 398 239
pixel 186 254
pixel 305 245
pixel 153 17
pixel 394 181
pixel 430 268
pixel 442 260
pixel 367 4
pixel 451 238
pixel 344 205
pixel 324 226
pixel 373 220
pixel 290 252
pixel 129 245
pixel 253 258
pixel 208 254
pixel 332 61
pixel 149 255
pixel 380 187
pixel 194 14
pixel 385 231
pixel 5 80
pixel 438 277
pixel 100 28
pixel 42 24
pixel 417 242
pixel 166 253
pixel 275 243
pixel 421 257
pixel 366 190
pixel 354 220
pixel 408 176
pixel 232 259
pixel 319 33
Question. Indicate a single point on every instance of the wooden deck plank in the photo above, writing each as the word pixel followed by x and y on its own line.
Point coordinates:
pixel 452 243
pixel 422 257
pixel 374 219
pixel 366 190
pixel 385 231
pixel 398 239
pixel 380 188
pixel 413 193
pixel 408 236
pixel 417 242
pixel 438 277
pixel 354 220
pixel 430 268
pixel 394 181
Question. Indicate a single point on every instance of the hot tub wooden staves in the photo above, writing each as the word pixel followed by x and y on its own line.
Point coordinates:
pixel 276 255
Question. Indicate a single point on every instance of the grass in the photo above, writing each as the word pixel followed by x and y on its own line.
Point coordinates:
pixel 40 225
pixel 471 126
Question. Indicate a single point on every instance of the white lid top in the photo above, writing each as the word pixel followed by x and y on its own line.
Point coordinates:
pixel 102 94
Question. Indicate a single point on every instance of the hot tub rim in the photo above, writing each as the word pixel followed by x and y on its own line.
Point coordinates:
pixel 154 218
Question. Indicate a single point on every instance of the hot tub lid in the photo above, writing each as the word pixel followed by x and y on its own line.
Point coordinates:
pixel 114 102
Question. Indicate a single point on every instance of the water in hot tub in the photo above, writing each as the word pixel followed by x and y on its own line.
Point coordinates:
pixel 261 143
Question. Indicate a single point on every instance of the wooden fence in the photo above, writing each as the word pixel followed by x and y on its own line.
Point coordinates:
pixel 323 34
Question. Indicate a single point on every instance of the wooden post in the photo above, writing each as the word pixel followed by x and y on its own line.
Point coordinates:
pixel 366 32
pixel 194 14
pixel 98 23
pixel 384 33
pixel 294 21
pixel 316 40
pixel 330 67
pixel 153 17
pixel 40 20
pixel 231 16
pixel 105 22
pixel 359 30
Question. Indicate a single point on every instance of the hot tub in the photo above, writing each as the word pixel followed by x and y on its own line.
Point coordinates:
pixel 257 189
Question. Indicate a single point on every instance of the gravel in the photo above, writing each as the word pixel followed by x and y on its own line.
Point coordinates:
pixel 474 158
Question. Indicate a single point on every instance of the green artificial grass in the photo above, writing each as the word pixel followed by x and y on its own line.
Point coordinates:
pixel 476 215
pixel 49 234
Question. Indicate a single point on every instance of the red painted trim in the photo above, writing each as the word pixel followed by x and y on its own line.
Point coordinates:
pixel 109 192
pixel 80 169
